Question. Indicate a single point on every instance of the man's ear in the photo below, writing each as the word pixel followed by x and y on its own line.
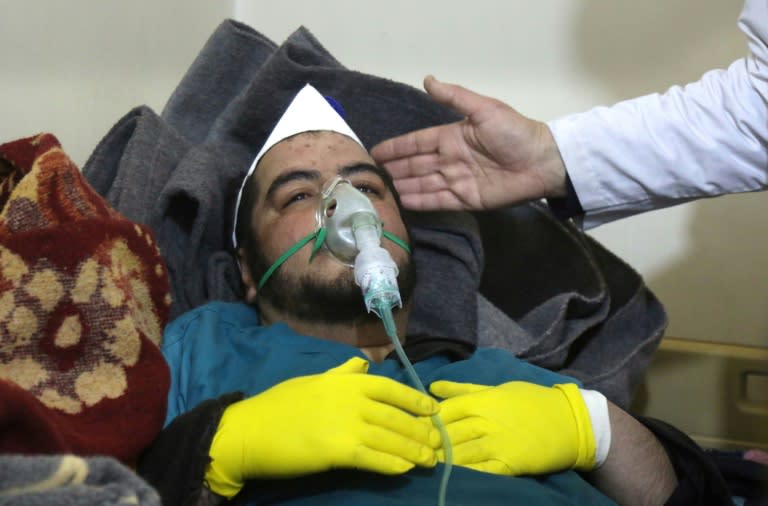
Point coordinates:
pixel 245 275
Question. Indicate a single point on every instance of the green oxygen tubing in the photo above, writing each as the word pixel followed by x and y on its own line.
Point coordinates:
pixel 376 274
pixel 385 313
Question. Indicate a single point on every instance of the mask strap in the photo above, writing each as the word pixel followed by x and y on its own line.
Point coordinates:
pixel 319 238
pixel 318 235
pixel 396 240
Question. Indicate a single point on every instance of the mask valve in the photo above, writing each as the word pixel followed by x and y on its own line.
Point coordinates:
pixel 375 271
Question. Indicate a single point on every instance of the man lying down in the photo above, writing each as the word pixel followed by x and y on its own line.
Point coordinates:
pixel 298 395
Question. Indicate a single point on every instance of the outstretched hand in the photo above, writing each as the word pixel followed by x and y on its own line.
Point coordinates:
pixel 493 158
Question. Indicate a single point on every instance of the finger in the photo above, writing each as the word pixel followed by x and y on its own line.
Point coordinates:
pixel 419 142
pixel 396 394
pixel 421 185
pixel 416 429
pixel 447 389
pixel 427 192
pixel 462 100
pixel 426 173
pixel 465 430
pixel 472 452
pixel 354 365
pixel 378 462
pixel 440 201
pixel 386 441
pixel 472 405
pixel 414 166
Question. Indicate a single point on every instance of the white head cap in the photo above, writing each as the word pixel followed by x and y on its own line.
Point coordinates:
pixel 308 111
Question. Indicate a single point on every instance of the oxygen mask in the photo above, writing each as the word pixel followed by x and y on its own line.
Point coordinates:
pixel 353 232
pixel 341 208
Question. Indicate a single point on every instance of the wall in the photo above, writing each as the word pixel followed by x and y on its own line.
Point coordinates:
pixel 73 68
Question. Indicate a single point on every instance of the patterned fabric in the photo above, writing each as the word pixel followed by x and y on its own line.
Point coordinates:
pixel 83 301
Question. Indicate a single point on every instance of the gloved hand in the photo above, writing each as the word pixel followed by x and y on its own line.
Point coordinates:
pixel 342 418
pixel 518 428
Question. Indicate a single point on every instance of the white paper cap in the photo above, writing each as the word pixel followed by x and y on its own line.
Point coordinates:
pixel 308 111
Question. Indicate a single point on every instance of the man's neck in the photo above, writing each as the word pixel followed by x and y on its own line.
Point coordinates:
pixel 366 333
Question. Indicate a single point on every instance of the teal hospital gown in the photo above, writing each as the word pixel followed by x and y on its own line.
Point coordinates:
pixel 222 347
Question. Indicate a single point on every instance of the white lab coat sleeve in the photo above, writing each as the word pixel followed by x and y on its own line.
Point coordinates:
pixel 705 139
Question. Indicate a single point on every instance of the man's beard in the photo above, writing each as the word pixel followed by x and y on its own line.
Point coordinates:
pixel 329 301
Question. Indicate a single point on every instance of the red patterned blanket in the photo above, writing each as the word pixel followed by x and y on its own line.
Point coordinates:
pixel 83 301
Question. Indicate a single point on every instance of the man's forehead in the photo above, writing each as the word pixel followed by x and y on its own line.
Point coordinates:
pixel 348 171
pixel 311 152
pixel 317 139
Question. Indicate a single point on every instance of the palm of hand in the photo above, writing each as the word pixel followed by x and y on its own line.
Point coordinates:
pixel 499 150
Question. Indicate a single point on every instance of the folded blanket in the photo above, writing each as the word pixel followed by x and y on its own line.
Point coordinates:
pixel 179 174
pixel 70 480
pixel 83 302
pixel 566 303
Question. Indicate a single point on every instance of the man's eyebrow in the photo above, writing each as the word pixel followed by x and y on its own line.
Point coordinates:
pixel 314 175
pixel 358 168
pixel 287 177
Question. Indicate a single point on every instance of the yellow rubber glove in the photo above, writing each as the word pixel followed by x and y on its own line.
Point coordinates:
pixel 342 418
pixel 517 428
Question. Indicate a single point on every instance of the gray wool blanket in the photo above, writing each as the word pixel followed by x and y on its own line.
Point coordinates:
pixel 516 278
pixel 64 480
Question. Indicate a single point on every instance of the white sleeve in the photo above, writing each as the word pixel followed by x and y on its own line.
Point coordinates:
pixel 597 406
pixel 705 139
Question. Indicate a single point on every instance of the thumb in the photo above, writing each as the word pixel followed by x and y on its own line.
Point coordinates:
pixel 447 389
pixel 458 98
pixel 351 366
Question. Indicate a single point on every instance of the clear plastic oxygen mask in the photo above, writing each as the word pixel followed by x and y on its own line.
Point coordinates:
pixel 353 236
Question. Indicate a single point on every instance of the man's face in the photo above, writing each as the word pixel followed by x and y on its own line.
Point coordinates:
pixel 289 180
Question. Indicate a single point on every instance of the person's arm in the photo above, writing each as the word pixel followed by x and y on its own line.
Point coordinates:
pixel 634 452
pixel 699 480
pixel 175 462
pixel 708 138
pixel 705 139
